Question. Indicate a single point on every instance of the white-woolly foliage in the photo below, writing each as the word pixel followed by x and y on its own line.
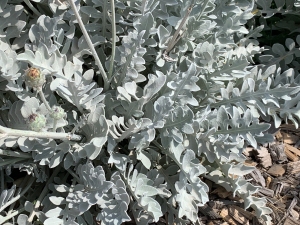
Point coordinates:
pixel 163 112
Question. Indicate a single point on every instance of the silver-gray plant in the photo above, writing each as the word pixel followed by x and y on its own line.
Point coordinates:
pixel 117 110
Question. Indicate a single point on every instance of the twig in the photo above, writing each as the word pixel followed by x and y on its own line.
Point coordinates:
pixel 90 44
pixel 175 37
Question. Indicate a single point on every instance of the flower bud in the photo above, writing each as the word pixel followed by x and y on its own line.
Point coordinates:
pixel 57 112
pixel 34 77
pixel 36 122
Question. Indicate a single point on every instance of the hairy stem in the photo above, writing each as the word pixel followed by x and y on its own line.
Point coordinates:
pixel 6 132
pixel 41 93
pixel 113 49
pixel 54 125
pixel 90 44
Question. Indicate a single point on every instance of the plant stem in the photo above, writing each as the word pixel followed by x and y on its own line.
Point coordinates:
pixel 15 154
pixel 26 133
pixel 11 215
pixel 33 9
pixel 41 93
pixel 43 194
pixel 174 39
pixel 113 49
pixel 282 57
pixel 203 8
pixel 74 175
pixel 90 44
pixel 16 198
pixel 54 125
pixel 129 187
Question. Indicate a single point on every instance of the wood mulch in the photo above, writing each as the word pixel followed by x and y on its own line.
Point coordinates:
pixel 277 173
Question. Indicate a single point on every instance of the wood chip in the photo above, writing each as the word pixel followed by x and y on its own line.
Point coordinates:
pixel 264 157
pixel 293 149
pixel 225 223
pixel 277 152
pixel 219 204
pixel 278 188
pixel 268 181
pixel 208 211
pixel 294 214
pixel 250 163
pixel 237 215
pixel 290 221
pixel 266 192
pixel 228 218
pixel 279 136
pixel 276 214
pixel 290 127
pixel 258 178
pixel 292 205
pixel 243 212
pixel 293 167
pixel 289 138
pixel 276 170
pixel 277 203
pixel 291 156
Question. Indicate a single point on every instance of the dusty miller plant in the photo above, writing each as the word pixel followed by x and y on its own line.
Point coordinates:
pixel 116 110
